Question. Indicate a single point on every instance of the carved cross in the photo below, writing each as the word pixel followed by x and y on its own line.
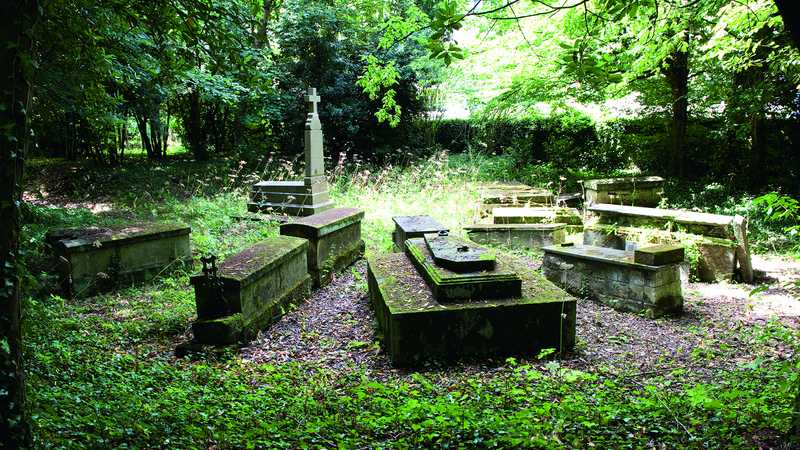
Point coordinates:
pixel 312 98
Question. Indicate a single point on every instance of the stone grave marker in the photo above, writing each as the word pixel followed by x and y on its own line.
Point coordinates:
pixel 407 227
pixel 633 191
pixel 92 260
pixel 519 236
pixel 299 198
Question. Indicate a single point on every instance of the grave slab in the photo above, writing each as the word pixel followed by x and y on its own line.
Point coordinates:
pixel 417 327
pixel 250 290
pixel 458 255
pixel 506 216
pixel 92 260
pixel 612 277
pixel 334 238
pixel 519 236
pixel 640 191
pixel 448 286
pixel 407 227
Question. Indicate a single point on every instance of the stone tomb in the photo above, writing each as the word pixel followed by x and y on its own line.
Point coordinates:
pixel 94 259
pixel 407 227
pixel 427 311
pixel 298 198
pixel 617 278
pixel 506 216
pixel 721 240
pixel 334 240
pixel 511 194
pixel 519 236
pixel 639 191
pixel 249 290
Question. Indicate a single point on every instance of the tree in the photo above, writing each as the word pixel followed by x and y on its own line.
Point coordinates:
pixel 15 57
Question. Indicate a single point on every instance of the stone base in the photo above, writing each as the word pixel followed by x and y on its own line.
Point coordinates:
pixel 254 288
pixel 611 277
pixel 416 327
pixel 294 198
pixel 92 260
pixel 518 236
pixel 634 191
pixel 334 241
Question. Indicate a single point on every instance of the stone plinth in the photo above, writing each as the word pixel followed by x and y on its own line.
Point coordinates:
pixel 640 191
pixel 506 216
pixel 519 236
pixel 92 260
pixel 448 285
pixel 407 227
pixel 252 290
pixel 612 277
pixel 293 198
pixel 417 327
pixel 334 241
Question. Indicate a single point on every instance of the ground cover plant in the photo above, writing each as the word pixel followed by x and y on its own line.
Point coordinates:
pixel 102 372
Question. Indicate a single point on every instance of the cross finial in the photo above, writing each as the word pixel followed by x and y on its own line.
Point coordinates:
pixel 312 98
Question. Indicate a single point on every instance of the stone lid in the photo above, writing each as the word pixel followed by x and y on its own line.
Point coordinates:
pixel 258 259
pixel 418 224
pixel 600 254
pixel 322 224
pixel 622 182
pixel 674 215
pixel 85 239
pixel 457 254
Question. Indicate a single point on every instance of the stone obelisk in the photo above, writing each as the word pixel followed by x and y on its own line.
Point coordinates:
pixel 298 198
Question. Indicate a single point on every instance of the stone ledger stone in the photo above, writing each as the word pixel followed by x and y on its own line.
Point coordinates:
pixel 417 327
pixel 407 227
pixel 334 241
pixel 253 289
pixel 536 215
pixel 639 191
pixel 518 236
pixel 613 278
pixel 92 260
pixel 448 285
pixel 511 194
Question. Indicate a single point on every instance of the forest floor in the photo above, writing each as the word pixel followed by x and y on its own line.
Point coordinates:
pixel 102 370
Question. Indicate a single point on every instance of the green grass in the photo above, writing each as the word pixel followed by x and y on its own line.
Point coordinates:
pixel 101 373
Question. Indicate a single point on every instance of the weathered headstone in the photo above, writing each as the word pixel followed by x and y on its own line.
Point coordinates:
pixel 483 304
pixel 407 227
pixel 250 290
pixel 299 198
pixel 334 240
pixel 94 259
pixel 615 279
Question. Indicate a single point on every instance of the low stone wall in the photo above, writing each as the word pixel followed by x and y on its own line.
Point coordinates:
pixel 334 241
pixel 92 260
pixel 611 277
pixel 711 259
pixel 251 290
pixel 520 236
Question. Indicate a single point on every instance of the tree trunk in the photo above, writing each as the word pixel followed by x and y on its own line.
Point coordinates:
pixel 155 133
pixel 141 123
pixel 678 78
pixel 790 13
pixel 16 92
pixel 165 134
pixel 194 129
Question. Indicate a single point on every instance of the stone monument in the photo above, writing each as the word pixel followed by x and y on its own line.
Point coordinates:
pixel 298 198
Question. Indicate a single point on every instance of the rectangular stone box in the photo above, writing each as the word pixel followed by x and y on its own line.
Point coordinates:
pixel 536 215
pixel 659 255
pixel 416 327
pixel 449 286
pixel 92 260
pixel 334 241
pixel 519 236
pixel 705 224
pixel 512 194
pixel 254 288
pixel 715 258
pixel 640 191
pixel 407 227
pixel 613 278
